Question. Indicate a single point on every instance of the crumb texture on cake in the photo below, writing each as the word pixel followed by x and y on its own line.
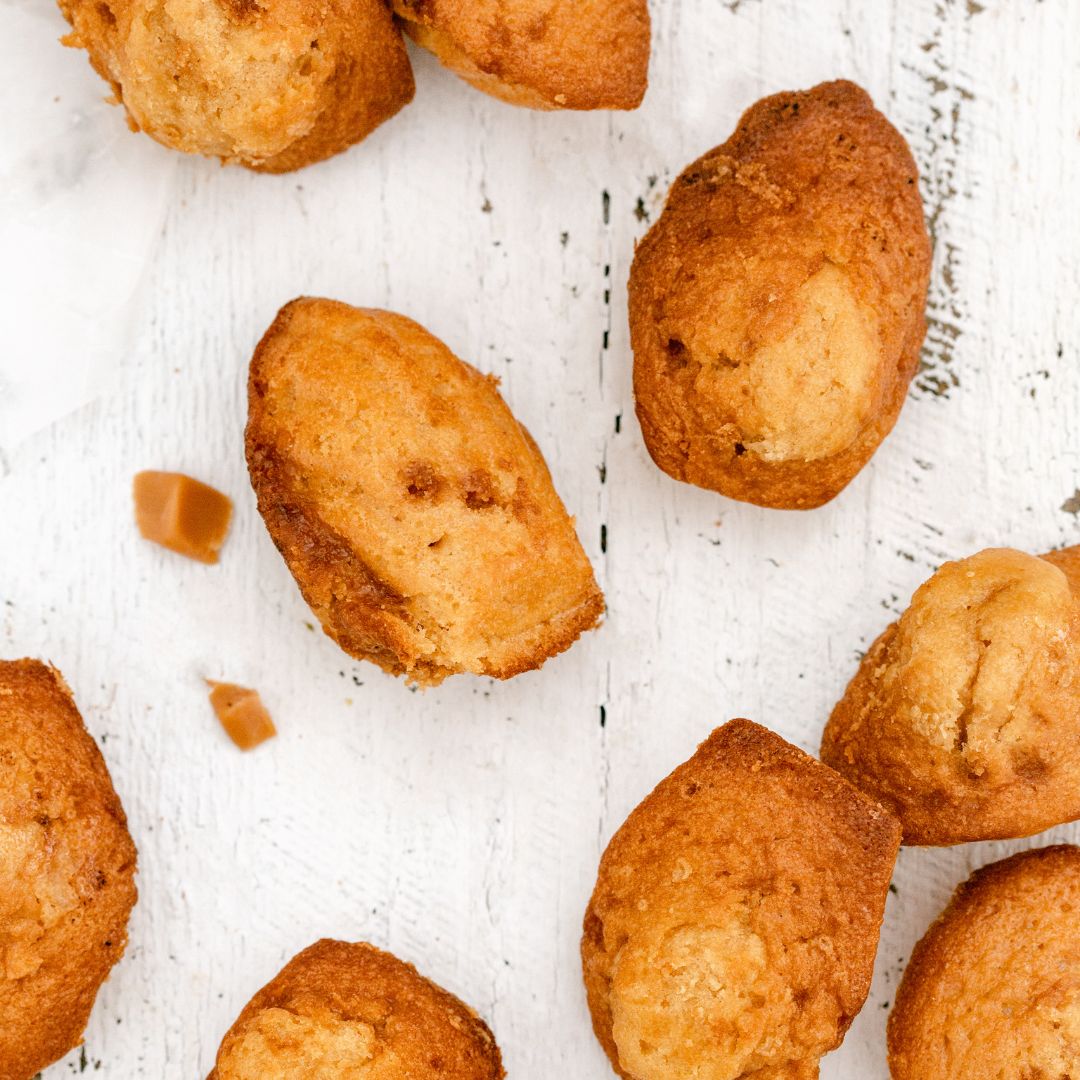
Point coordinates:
pixel 416 514
pixel 735 919
pixel 351 1011
pixel 993 988
pixel 270 84
pixel 542 54
pixel 67 865
pixel 777 307
pixel 964 716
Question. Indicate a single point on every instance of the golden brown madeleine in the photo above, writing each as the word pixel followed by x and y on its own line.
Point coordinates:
pixel 416 514
pixel 777 305
pixel 993 989
pixel 67 868
pixel 543 54
pixel 270 84
pixel 339 1010
pixel 964 716
pixel 736 913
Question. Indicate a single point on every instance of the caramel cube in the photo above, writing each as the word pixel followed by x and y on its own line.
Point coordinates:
pixel 242 714
pixel 181 514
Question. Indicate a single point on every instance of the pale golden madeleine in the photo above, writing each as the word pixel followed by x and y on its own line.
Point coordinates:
pixel 341 1011
pixel 416 514
pixel 777 307
pixel 543 54
pixel 67 867
pixel 992 992
pixel 964 716
pixel 735 919
pixel 270 84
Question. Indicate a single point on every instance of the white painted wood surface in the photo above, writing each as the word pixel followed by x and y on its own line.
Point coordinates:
pixel 461 827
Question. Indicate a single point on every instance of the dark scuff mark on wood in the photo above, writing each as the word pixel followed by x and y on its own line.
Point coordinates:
pixel 940 150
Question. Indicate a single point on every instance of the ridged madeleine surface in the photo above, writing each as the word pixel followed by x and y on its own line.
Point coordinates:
pixel 992 991
pixel 735 919
pixel 270 84
pixel 777 305
pixel 67 869
pixel 543 54
pixel 964 716
pixel 416 514
pixel 341 1011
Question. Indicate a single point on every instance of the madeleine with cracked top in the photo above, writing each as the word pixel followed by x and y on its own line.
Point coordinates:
pixel 964 716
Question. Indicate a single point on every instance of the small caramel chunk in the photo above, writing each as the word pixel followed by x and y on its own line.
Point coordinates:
pixel 181 514
pixel 242 714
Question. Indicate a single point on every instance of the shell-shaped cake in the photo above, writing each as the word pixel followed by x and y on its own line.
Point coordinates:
pixel 964 716
pixel 344 1011
pixel 735 919
pixel 543 54
pixel 416 514
pixel 270 84
pixel 777 306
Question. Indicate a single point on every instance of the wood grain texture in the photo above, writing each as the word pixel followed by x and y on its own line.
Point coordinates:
pixel 461 828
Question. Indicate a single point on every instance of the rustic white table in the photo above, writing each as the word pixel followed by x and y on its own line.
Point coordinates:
pixel 461 827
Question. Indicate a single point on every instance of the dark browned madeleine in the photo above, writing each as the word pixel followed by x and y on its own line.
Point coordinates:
pixel 993 988
pixel 543 54
pixel 777 306
pixel 67 870
pixel 342 1011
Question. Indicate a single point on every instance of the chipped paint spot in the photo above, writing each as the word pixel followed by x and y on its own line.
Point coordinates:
pixel 940 150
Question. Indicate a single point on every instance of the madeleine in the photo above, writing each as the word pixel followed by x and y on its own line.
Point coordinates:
pixel 735 919
pixel 416 514
pixel 543 54
pixel 270 84
pixel 342 1011
pixel 964 717
pixel 67 870
pixel 777 305
pixel 992 988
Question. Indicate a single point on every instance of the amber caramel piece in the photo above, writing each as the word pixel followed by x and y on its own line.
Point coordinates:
pixel 181 514
pixel 242 714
